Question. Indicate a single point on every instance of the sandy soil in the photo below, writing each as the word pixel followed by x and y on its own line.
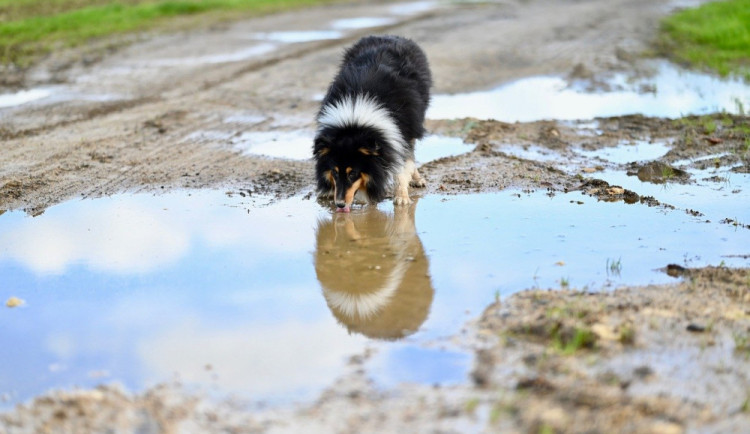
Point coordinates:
pixel 545 360
pixel 127 127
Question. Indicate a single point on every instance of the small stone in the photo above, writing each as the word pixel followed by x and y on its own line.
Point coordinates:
pixel 696 328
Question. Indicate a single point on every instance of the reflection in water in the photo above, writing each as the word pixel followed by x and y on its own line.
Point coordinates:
pixel 374 272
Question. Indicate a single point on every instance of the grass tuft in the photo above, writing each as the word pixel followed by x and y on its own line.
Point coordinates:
pixel 31 28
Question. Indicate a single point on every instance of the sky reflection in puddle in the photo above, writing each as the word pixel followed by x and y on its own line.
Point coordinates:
pixel 675 92
pixel 298 36
pixel 716 192
pixel 23 97
pixel 630 151
pixel 297 145
pixel 137 289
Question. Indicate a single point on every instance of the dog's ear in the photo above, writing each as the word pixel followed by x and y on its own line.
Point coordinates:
pixel 321 146
pixel 371 149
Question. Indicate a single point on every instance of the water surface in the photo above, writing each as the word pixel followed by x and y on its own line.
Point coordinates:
pixel 269 300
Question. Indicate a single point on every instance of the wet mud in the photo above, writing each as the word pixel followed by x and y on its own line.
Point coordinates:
pixel 385 308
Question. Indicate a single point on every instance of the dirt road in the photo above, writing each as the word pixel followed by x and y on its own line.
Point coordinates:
pixel 131 120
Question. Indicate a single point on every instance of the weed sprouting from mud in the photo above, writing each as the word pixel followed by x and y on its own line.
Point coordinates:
pixel 745 407
pixel 742 344
pixel 471 405
pixel 581 338
pixel 627 334
pixel 614 268
pixel 667 172
pixel 739 106
pixel 709 126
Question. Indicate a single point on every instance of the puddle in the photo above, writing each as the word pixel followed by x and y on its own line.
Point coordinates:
pixel 297 145
pixel 412 8
pixel 629 151
pixel 23 97
pixel 434 147
pixel 210 59
pixel 714 200
pixel 246 119
pixel 716 193
pixel 293 145
pixel 676 92
pixel 298 36
pixel 269 300
pixel 361 23
pixel 53 95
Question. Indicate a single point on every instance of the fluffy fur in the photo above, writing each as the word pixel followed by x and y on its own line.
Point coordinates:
pixel 369 120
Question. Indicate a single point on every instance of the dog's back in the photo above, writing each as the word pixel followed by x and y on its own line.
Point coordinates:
pixel 394 71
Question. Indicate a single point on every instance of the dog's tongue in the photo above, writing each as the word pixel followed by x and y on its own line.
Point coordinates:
pixel 344 209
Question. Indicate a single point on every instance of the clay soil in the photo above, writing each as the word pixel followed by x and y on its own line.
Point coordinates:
pixel 545 361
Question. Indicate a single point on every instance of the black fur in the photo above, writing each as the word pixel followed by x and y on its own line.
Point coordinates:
pixel 394 72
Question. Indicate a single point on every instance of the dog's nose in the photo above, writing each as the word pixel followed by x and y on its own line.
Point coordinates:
pixel 340 204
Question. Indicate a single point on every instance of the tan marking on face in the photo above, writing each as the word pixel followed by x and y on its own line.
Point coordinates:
pixel 336 169
pixel 365 179
pixel 349 197
pixel 366 151
pixel 329 177
pixel 323 151
pixel 348 170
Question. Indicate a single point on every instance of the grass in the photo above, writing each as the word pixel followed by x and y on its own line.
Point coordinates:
pixel 715 35
pixel 32 28
pixel 742 343
pixel 614 268
pixel 581 338
pixel 667 172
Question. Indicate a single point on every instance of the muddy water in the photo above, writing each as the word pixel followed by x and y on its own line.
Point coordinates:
pixel 297 144
pixel 269 301
pixel 670 92
pixel 712 192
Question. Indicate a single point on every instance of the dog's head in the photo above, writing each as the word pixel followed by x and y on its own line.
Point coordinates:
pixel 349 161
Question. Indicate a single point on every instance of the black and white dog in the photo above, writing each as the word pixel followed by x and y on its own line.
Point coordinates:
pixel 369 120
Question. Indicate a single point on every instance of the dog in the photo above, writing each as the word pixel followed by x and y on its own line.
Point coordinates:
pixel 369 120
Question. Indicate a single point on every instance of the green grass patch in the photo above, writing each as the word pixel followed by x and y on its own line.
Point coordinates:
pixel 31 28
pixel 715 35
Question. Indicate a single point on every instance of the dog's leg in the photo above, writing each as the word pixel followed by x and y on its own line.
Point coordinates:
pixel 417 180
pixel 403 220
pixel 401 194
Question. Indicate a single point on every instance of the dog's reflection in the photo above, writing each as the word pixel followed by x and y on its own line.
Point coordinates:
pixel 374 272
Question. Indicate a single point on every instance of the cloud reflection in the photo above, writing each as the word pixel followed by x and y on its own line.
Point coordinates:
pixel 140 233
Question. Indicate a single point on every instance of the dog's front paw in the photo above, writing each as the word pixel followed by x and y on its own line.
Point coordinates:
pixel 401 199
pixel 418 183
